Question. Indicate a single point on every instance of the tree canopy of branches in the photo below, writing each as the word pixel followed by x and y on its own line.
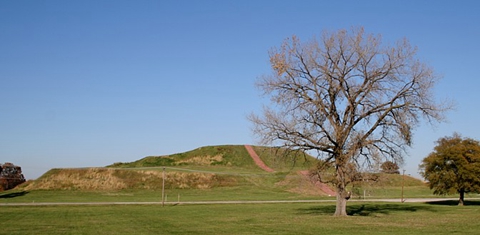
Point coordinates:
pixel 390 167
pixel 10 176
pixel 348 97
pixel 453 166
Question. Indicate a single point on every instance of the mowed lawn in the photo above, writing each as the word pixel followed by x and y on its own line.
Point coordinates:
pixel 290 218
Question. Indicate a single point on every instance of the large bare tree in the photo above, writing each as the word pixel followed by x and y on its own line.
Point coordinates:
pixel 349 98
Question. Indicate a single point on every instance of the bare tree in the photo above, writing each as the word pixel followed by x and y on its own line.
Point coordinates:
pixel 347 97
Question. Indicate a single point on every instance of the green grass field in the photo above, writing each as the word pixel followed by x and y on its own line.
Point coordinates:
pixel 262 191
pixel 307 218
pixel 222 173
pixel 215 194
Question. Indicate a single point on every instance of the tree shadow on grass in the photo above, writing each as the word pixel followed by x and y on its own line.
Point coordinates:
pixel 366 209
pixel 455 203
pixel 13 194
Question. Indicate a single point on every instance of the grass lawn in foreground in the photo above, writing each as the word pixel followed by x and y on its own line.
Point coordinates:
pixel 172 195
pixel 184 195
pixel 309 218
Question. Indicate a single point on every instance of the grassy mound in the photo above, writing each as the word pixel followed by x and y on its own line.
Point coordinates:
pixel 202 168
pixel 231 156
pixel 226 155
pixel 226 168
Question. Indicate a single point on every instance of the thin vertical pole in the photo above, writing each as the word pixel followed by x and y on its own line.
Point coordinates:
pixel 364 190
pixel 403 183
pixel 163 188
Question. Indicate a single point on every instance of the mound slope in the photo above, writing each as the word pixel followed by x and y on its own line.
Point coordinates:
pixel 235 166
pixel 201 168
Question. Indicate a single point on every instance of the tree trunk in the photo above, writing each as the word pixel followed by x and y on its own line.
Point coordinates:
pixel 341 207
pixel 342 194
pixel 461 201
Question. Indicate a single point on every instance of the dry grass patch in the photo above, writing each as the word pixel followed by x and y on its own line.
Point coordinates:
pixel 118 179
pixel 301 184
pixel 202 160
pixel 80 179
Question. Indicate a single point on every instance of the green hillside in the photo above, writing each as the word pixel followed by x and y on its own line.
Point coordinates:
pixel 202 168
pixel 219 172
pixel 226 156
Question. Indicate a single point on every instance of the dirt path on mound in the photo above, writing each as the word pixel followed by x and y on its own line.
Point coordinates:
pixel 320 185
pixel 257 159
pixel 327 190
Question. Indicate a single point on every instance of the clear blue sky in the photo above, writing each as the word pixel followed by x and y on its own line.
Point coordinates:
pixel 90 83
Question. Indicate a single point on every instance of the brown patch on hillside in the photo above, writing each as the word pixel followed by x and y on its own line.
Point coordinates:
pixel 81 179
pixel 202 160
pixel 306 185
pixel 317 184
pixel 116 179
